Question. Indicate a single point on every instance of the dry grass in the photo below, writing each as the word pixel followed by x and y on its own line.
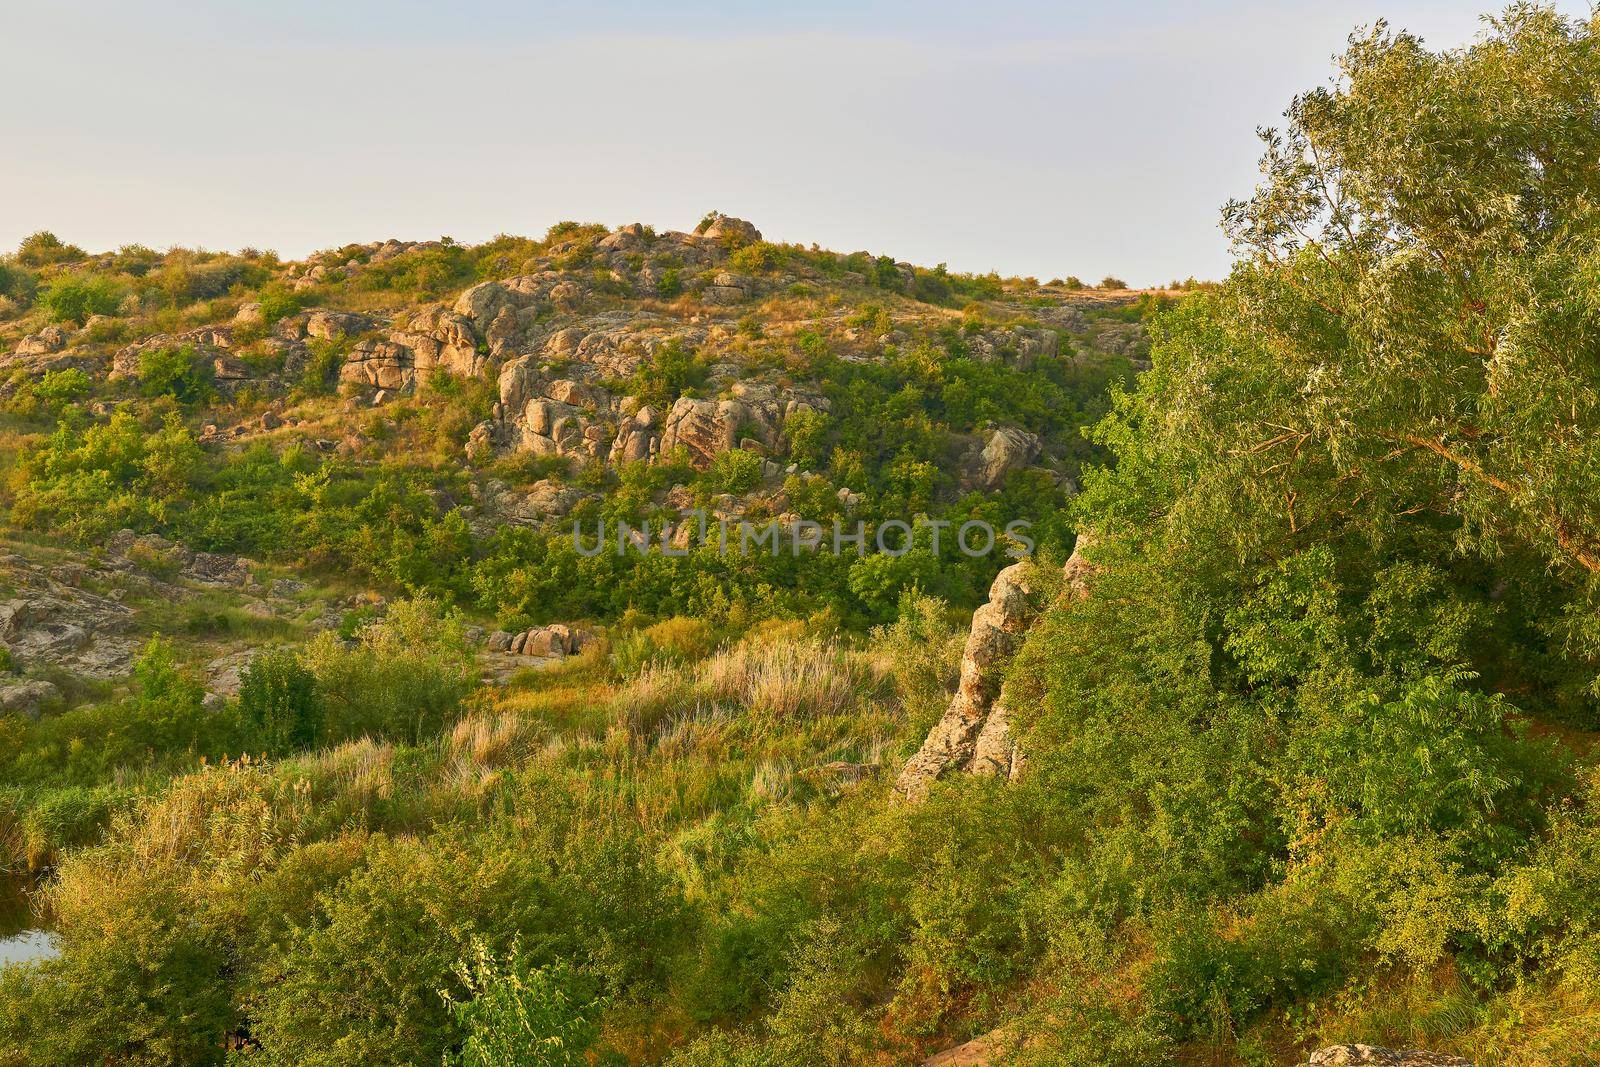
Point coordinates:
pixel 360 770
pixel 786 680
pixel 497 737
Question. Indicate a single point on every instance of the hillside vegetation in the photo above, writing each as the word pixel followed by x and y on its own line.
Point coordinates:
pixel 326 744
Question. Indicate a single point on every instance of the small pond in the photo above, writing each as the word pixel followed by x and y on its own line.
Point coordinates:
pixel 21 938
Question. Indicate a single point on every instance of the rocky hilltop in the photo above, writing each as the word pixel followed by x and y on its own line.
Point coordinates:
pixel 622 375
pixel 569 333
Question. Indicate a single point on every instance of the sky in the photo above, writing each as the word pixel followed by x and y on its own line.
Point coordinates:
pixel 1042 139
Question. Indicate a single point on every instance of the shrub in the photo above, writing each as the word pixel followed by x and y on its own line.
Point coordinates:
pixel 923 648
pixel 66 818
pixel 736 471
pixel 806 430
pixel 671 372
pixel 278 702
pixel 673 641
pixel 756 258
pixel 181 373
pixel 84 483
pixel 516 1015
pixel 404 680
pixel 50 393
pixel 17 284
pixel 74 297
pixel 670 284
pixel 278 303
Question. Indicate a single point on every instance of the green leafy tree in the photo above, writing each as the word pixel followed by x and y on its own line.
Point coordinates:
pixel 45 248
pixel 1419 264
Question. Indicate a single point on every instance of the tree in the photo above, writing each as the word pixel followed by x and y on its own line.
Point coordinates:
pixel 1419 266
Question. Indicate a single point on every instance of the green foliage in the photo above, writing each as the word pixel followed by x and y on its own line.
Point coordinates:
pixel 670 642
pixel 670 284
pixel 181 373
pixel 669 372
pixel 279 706
pixel 45 249
pixel 163 724
pixel 423 271
pixel 49 394
pixel 72 298
pixel 87 482
pixel 405 679
pixel 515 1015
pixel 17 283
pixel 735 471
pixel 278 303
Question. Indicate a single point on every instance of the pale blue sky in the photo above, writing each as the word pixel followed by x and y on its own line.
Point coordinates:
pixel 1032 138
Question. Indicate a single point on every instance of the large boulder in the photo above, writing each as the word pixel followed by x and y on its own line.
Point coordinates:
pixel 27 698
pixel 637 439
pixel 730 230
pixel 50 339
pixel 1007 449
pixel 702 428
pixel 379 364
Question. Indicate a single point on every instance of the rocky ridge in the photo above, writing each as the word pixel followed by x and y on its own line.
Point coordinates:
pixel 563 344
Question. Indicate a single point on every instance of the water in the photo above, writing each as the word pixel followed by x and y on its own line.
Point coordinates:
pixel 21 939
pixel 27 946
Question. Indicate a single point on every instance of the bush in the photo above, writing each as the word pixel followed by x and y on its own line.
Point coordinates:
pixel 86 482
pixel 17 284
pixel 50 393
pixel 516 1015
pixel 180 373
pixel 278 303
pixel 74 297
pixel 671 642
pixel 66 818
pixel 279 704
pixel 404 680
pixel 736 471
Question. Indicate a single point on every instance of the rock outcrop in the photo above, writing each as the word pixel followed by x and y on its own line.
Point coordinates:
pixel 1375 1056
pixel 970 724
pixel 1007 449
pixel 544 642
pixel 997 1047
pixel 984 1051
pixel 27 697
pixel 974 735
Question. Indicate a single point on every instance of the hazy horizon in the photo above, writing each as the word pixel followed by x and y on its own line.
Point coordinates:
pixel 1032 139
